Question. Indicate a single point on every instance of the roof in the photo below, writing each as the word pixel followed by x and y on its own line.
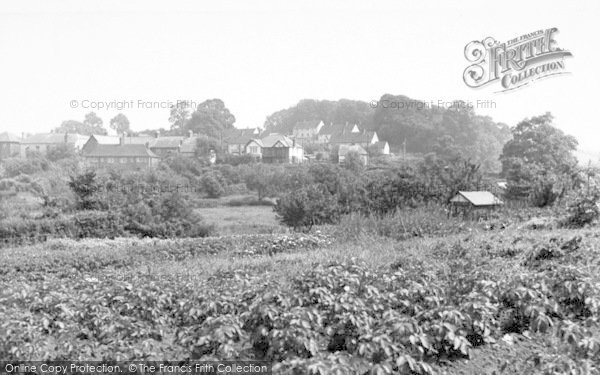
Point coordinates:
pixel 257 141
pixel 126 150
pixel 477 198
pixel 310 124
pixel 334 129
pixel 166 142
pixel 54 138
pixel 344 149
pixel 272 139
pixel 9 138
pixel 349 137
pixel 239 136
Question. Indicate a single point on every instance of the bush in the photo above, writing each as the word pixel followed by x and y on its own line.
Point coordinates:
pixel 212 186
pixel 583 210
pixel 308 206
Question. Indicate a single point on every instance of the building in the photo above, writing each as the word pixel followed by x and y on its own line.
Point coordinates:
pixel 382 147
pixel 254 147
pixel 473 204
pixel 130 155
pixel 307 131
pixel 124 138
pixel 42 143
pixel 363 138
pixel 235 140
pixel 166 146
pixel 345 149
pixel 10 145
pixel 278 148
pixel 327 132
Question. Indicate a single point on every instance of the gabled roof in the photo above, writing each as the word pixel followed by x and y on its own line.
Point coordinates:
pixel 117 151
pixel 477 198
pixel 166 142
pixel 344 149
pixel 9 138
pixel 239 136
pixel 349 137
pixel 335 129
pixel 272 139
pixel 310 124
pixel 115 139
pixel 54 138
pixel 257 141
pixel 380 145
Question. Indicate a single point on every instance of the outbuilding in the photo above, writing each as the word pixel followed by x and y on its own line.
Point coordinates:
pixel 473 204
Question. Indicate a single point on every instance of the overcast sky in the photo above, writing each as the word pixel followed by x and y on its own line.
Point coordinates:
pixel 265 56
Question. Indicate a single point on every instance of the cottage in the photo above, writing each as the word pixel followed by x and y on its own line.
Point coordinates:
pixel 327 132
pixel 363 138
pixel 344 150
pixel 473 204
pixel 124 153
pixel 307 131
pixel 254 147
pixel 278 148
pixel 235 140
pixel 42 143
pixel 124 138
pixel 10 145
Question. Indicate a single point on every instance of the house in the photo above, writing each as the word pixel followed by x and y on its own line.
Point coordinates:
pixel 381 147
pixel 42 143
pixel 331 130
pixel 345 149
pixel 254 147
pixel 165 146
pixel 278 148
pixel 124 138
pixel 363 138
pixel 473 204
pixel 126 154
pixel 10 145
pixel 235 140
pixel 307 131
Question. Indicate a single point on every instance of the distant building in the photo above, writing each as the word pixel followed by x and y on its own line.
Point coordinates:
pixel 382 147
pixel 235 140
pixel 254 147
pixel 166 146
pixel 124 138
pixel 363 138
pixel 10 145
pixel 127 154
pixel 473 203
pixel 42 143
pixel 278 148
pixel 307 131
pixel 327 132
pixel 345 149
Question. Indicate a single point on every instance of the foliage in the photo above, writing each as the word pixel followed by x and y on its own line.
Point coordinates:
pixel 212 186
pixel 60 152
pixel 210 118
pixel 120 124
pixel 307 206
pixel 92 124
pixel 582 209
pixel 85 187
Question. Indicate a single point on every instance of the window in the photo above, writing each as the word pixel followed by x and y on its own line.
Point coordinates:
pixel 253 150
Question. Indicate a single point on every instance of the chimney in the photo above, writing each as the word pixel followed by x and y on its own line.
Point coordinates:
pixel 190 134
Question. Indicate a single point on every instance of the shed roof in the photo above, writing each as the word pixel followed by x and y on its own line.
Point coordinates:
pixel 477 198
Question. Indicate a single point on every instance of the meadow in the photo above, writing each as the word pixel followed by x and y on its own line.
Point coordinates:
pixel 475 301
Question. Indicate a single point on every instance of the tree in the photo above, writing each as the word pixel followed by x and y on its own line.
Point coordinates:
pixel 539 161
pixel 85 187
pixel 308 206
pixel 91 125
pixel 120 124
pixel 59 152
pixel 210 118
pixel 94 123
pixel 179 115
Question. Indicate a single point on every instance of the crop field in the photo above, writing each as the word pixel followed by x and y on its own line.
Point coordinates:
pixel 242 219
pixel 500 301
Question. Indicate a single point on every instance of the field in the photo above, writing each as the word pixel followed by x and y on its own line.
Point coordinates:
pixel 241 219
pixel 479 302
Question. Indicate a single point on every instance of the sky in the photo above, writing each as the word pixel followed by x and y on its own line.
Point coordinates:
pixel 62 59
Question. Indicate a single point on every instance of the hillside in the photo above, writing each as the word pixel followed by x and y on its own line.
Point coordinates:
pixel 397 118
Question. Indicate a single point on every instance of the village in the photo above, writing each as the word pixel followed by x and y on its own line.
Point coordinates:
pixel 146 150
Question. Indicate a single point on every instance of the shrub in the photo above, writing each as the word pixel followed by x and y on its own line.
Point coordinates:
pixel 212 186
pixel 308 206
pixel 583 210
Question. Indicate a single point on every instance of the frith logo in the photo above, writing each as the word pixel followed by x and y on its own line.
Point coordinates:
pixel 515 63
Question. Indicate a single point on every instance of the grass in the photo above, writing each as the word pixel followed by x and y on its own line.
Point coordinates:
pixel 241 219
